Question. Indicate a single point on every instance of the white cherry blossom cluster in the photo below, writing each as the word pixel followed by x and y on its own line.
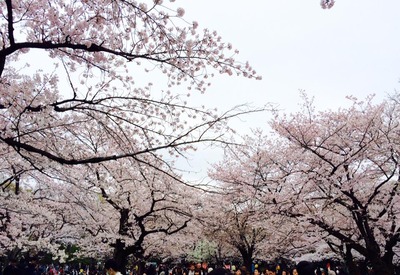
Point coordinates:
pixel 327 4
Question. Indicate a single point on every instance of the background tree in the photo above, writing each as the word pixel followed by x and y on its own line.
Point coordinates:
pixel 34 221
pixel 337 172
pixel 248 175
pixel 349 174
pixel 151 206
pixel 125 209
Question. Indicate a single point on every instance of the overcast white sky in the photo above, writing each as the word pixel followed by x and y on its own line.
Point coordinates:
pixel 351 49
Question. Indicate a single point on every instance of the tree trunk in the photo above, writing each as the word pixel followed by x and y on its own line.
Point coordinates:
pixel 120 256
pixel 247 257
pixel 349 261
pixel 120 250
pixel 141 267
pixel 379 266
pixel 218 259
pixel 382 265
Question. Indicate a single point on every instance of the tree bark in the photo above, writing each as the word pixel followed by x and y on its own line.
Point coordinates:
pixel 381 267
pixel 120 256
pixel 247 257
pixel 352 267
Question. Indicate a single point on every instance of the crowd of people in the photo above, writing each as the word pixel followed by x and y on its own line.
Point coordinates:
pixel 302 268
pixel 110 267
pixel 33 268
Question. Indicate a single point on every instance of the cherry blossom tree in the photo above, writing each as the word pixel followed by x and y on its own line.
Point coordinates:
pixel 150 206
pixel 90 82
pixel 89 109
pixel 237 226
pixel 33 223
pixel 254 225
pixel 350 176
pixel 124 210
pixel 337 173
